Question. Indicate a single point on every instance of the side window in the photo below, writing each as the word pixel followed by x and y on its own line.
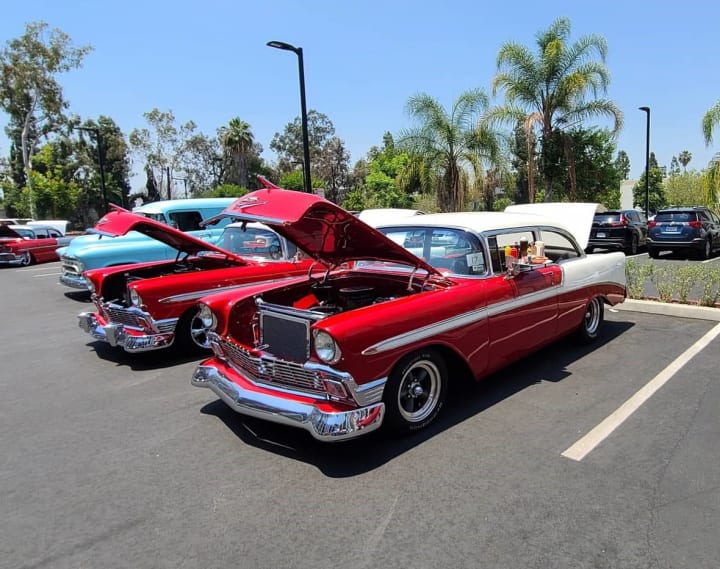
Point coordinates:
pixel 557 246
pixel 497 244
pixel 41 234
pixel 703 216
pixel 186 220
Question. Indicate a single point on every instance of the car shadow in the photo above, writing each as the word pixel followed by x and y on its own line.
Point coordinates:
pixel 78 295
pixel 465 400
pixel 142 361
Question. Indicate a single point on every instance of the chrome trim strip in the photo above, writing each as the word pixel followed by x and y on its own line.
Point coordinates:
pixel 324 426
pixel 200 293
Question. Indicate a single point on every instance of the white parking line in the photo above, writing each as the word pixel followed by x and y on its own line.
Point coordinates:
pixel 586 444
pixel 46 275
pixel 35 269
pixel 711 260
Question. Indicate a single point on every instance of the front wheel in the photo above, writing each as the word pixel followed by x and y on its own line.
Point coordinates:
pixel 191 335
pixel 415 392
pixel 26 259
pixel 592 321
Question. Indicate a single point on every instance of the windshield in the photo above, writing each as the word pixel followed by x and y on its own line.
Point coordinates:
pixel 254 242
pixel 27 233
pixel 452 250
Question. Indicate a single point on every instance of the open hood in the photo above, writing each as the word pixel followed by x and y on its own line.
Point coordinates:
pixel 7 231
pixel 322 229
pixel 120 221
pixel 576 217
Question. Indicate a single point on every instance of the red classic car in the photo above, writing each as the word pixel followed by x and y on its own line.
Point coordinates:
pixel 25 244
pixel 152 305
pixel 381 336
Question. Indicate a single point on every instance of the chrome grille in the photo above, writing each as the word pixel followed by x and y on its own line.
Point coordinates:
pixel 271 371
pixel 71 266
pixel 121 315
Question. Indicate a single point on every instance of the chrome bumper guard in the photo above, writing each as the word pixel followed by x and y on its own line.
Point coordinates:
pixel 74 281
pixel 324 426
pixel 115 335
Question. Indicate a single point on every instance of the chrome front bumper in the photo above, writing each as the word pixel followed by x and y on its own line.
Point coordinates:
pixel 117 335
pixel 10 259
pixel 329 426
pixel 74 281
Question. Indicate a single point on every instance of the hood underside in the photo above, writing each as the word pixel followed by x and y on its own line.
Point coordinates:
pixel 322 229
pixel 120 221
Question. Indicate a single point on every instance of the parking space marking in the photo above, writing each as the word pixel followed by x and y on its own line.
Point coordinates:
pixel 586 444
pixel 711 260
pixel 46 275
pixel 35 269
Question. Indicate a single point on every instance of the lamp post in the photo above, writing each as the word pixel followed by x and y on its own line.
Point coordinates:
pixel 184 180
pixel 647 161
pixel 98 137
pixel 303 116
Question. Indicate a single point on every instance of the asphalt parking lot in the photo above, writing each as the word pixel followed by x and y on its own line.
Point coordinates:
pixel 579 457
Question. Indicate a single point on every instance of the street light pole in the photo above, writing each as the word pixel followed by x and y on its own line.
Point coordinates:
pixel 98 137
pixel 647 161
pixel 303 111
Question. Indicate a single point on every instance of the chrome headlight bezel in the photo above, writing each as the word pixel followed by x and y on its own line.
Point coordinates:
pixel 207 317
pixel 134 297
pixel 90 285
pixel 326 348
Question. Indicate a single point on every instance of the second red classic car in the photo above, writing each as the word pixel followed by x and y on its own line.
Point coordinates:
pixel 152 305
pixel 402 313
pixel 29 244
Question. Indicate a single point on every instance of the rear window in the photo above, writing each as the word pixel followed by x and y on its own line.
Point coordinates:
pixel 608 217
pixel 681 216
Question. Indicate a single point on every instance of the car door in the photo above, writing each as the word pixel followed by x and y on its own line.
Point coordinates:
pixel 43 246
pixel 522 306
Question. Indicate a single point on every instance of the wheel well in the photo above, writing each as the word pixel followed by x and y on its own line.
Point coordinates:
pixel 457 367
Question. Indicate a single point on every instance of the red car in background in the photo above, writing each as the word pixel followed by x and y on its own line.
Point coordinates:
pixel 149 306
pixel 26 245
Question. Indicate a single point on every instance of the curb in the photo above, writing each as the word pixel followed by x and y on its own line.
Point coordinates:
pixel 668 309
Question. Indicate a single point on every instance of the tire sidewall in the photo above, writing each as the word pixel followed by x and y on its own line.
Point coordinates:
pixel 393 418
pixel 584 335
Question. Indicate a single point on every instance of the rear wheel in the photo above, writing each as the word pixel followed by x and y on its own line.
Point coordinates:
pixel 592 321
pixel 415 392
pixel 633 247
pixel 191 335
pixel 653 252
pixel 589 250
pixel 706 251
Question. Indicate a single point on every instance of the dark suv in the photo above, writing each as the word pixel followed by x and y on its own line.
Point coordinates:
pixel 624 229
pixel 690 229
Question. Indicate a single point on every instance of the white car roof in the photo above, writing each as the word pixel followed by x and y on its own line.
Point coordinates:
pixel 385 215
pixel 573 217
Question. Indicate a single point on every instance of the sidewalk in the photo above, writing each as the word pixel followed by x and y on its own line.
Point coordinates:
pixel 670 309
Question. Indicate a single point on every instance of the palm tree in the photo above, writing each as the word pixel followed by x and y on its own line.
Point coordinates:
pixel 449 142
pixel 554 89
pixel 238 140
pixel 684 158
pixel 710 120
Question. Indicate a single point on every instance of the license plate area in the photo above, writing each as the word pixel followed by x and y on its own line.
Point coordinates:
pixel 601 235
pixel 671 229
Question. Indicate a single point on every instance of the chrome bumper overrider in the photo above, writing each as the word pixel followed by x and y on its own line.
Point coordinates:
pixel 117 335
pixel 74 281
pixel 323 425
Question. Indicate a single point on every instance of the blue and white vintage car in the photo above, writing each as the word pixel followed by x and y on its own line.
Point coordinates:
pixel 95 250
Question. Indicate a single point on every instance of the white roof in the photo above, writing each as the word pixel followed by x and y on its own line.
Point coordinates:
pixel 385 215
pixel 574 218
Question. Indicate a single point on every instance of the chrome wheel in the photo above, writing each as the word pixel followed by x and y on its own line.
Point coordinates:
pixel 590 326
pixel 198 333
pixel 26 259
pixel 419 391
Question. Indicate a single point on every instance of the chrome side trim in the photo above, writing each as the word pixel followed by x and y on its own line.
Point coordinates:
pixel 200 293
pixel 322 425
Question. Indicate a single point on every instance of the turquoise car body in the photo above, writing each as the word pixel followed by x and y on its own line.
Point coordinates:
pixel 94 251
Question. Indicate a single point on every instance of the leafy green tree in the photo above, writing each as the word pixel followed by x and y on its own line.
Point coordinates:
pixel 448 142
pixel 709 121
pixel 225 191
pixel 295 181
pixel 289 144
pixel 161 147
pixel 29 90
pixel 56 194
pixel 656 191
pixel 553 89
pixel 684 158
pixel 333 166
pixel 674 166
pixel 622 164
pixel 685 188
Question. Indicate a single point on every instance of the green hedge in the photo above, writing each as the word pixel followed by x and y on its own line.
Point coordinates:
pixel 690 283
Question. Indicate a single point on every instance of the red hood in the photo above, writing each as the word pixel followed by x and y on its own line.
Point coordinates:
pixel 322 229
pixel 120 221
pixel 7 232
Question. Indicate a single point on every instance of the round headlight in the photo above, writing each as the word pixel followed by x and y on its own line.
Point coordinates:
pixel 90 286
pixel 206 317
pixel 326 348
pixel 135 299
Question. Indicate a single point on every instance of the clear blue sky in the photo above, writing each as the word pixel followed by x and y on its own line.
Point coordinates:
pixel 208 62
